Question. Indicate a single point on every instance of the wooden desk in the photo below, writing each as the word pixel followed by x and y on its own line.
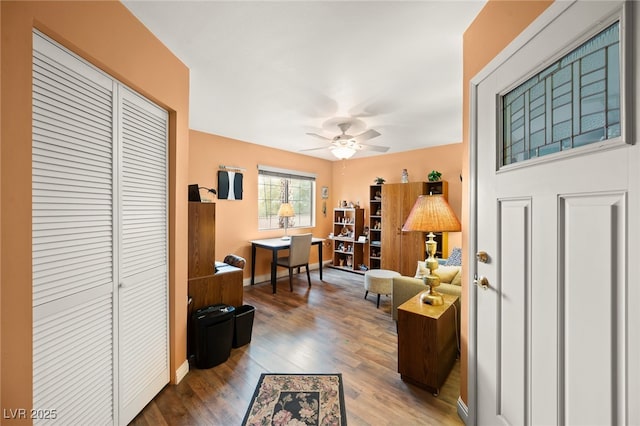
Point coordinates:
pixel 275 244
pixel 427 344
pixel 224 286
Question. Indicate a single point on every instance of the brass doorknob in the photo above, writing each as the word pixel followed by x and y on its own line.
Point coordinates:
pixel 482 282
pixel 482 256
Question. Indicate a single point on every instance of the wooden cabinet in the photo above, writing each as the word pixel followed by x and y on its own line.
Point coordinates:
pixel 207 284
pixel 427 343
pixel 375 226
pixel 202 238
pixel 401 250
pixel 348 226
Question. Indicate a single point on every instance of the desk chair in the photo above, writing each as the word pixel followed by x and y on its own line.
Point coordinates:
pixel 298 256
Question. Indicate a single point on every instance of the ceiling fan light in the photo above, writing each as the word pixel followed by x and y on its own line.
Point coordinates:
pixel 343 152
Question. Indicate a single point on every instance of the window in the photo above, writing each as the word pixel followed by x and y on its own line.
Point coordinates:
pixel 572 103
pixel 277 186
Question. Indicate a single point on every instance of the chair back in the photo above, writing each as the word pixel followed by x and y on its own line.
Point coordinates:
pixel 299 249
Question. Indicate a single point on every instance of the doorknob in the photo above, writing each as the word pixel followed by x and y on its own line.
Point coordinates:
pixel 482 257
pixel 482 282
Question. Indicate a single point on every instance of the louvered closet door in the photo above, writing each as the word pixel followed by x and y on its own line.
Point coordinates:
pixel 99 211
pixel 72 225
pixel 143 307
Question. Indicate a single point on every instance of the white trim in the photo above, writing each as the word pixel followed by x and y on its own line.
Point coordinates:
pixel 569 46
pixel 563 155
pixel 545 18
pixel 182 371
pixel 463 411
pixel 472 398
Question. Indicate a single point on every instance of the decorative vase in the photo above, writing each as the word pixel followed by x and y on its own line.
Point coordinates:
pixel 405 176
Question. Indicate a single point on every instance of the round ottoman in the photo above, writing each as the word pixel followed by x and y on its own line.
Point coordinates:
pixel 379 281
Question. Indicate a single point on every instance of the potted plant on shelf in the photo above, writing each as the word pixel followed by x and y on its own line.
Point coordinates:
pixel 434 176
pixel 379 180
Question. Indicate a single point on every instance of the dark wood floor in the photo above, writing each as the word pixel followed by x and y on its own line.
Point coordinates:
pixel 328 328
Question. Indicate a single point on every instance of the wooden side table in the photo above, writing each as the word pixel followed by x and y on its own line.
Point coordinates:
pixel 427 344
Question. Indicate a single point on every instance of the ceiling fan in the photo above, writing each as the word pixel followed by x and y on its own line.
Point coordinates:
pixel 343 146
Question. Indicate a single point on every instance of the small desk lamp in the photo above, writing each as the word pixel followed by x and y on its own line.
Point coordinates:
pixel 286 211
pixel 432 213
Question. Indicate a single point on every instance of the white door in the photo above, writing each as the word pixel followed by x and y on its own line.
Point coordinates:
pixel 553 342
pixel 100 242
pixel 72 231
pixel 143 266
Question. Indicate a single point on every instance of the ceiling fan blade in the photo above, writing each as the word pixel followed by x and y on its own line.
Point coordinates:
pixel 376 148
pixel 314 149
pixel 319 136
pixel 369 134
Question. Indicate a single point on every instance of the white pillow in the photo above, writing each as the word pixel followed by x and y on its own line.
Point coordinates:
pixel 457 280
pixel 422 270
pixel 446 273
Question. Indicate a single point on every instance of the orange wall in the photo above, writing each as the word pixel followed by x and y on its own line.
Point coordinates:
pixel 237 220
pixel 1 257
pixel 106 34
pixel 497 24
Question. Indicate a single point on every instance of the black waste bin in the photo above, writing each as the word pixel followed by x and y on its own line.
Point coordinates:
pixel 244 324
pixel 213 334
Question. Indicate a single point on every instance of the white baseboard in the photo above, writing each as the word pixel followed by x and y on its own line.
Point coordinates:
pixel 281 272
pixel 463 411
pixel 182 371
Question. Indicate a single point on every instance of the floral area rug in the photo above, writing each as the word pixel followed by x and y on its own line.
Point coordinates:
pixel 297 400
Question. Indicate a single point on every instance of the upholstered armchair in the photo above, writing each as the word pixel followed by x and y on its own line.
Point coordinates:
pixel 404 288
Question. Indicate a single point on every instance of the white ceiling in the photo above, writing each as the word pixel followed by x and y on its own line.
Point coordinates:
pixel 268 72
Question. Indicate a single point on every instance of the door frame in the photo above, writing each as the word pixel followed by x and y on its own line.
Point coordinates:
pixel 546 17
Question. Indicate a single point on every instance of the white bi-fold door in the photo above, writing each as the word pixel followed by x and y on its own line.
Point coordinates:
pixel 100 302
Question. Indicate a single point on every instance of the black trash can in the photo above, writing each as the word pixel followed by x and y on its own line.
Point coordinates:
pixel 212 334
pixel 244 324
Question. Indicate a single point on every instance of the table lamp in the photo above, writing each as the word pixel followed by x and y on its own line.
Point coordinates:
pixel 432 213
pixel 286 211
